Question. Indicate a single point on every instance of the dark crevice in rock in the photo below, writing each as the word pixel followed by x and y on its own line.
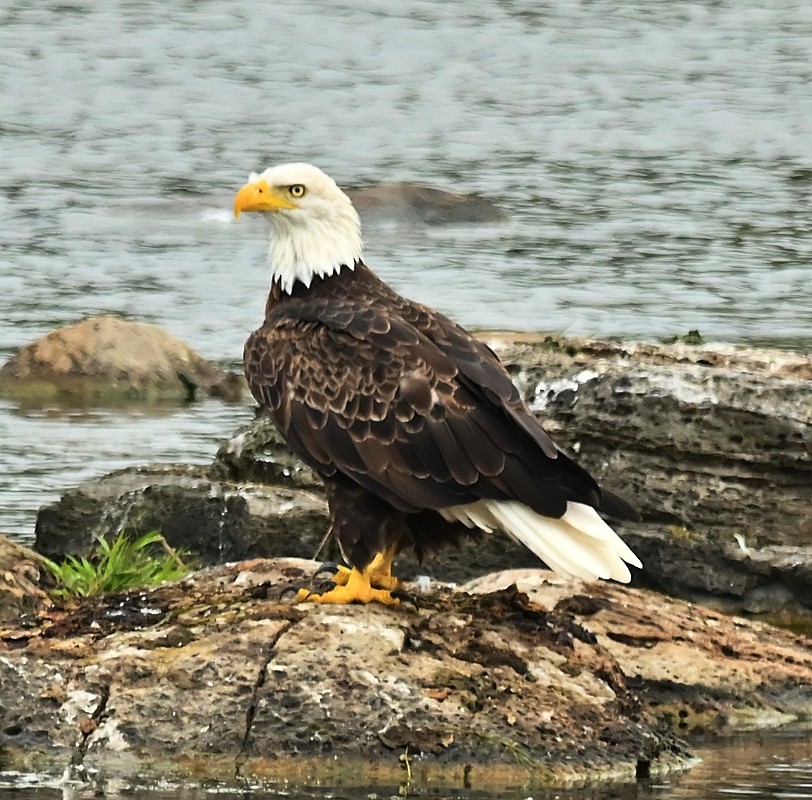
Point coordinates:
pixel 251 709
pixel 634 641
pixel 88 726
pixel 614 677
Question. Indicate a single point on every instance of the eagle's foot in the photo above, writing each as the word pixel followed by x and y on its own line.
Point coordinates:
pixel 379 572
pixel 356 589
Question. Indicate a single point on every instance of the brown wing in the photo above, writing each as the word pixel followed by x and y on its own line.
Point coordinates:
pixel 480 367
pixel 424 425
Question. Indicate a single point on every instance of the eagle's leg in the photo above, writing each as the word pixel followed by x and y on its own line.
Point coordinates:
pixel 379 571
pixel 370 533
pixel 358 588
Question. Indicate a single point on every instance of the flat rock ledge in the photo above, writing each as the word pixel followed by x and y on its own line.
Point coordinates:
pixel 223 677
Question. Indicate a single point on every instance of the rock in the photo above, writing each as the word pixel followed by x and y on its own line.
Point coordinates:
pixel 715 439
pixel 711 442
pixel 769 599
pixel 218 672
pixel 220 515
pixel 20 593
pixel 217 520
pixel 568 684
pixel 108 359
pixel 409 202
pixel 256 453
pixel 700 670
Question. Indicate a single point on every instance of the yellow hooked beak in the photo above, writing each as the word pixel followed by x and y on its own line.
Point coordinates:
pixel 260 196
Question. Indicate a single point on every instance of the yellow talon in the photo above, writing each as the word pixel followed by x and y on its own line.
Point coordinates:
pixel 342 575
pixel 379 572
pixel 357 589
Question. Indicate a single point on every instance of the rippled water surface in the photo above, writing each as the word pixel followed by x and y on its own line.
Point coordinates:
pixel 655 157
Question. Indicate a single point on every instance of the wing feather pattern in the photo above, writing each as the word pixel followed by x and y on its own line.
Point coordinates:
pixel 410 407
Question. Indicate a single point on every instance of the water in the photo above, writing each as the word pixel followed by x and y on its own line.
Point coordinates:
pixel 656 158
pixel 749 769
pixel 47 450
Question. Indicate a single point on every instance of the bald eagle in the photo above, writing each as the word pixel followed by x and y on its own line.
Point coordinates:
pixel 414 426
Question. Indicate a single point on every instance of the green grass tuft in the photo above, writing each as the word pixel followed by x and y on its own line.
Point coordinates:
pixel 117 566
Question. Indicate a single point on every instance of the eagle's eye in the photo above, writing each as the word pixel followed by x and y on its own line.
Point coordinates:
pixel 297 190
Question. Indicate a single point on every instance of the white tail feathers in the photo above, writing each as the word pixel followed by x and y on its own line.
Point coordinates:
pixel 578 545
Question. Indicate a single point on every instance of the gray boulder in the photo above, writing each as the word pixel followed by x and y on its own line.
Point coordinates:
pixel 409 202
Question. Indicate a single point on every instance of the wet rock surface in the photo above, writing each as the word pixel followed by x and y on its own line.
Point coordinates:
pixel 553 683
pixel 109 359
pixel 713 444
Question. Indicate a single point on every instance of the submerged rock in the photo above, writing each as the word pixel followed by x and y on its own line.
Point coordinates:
pixel 568 684
pixel 109 359
pixel 409 202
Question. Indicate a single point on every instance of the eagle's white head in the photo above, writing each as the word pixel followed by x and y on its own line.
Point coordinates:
pixel 315 229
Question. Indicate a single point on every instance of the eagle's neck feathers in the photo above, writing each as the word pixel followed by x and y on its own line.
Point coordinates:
pixel 304 247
